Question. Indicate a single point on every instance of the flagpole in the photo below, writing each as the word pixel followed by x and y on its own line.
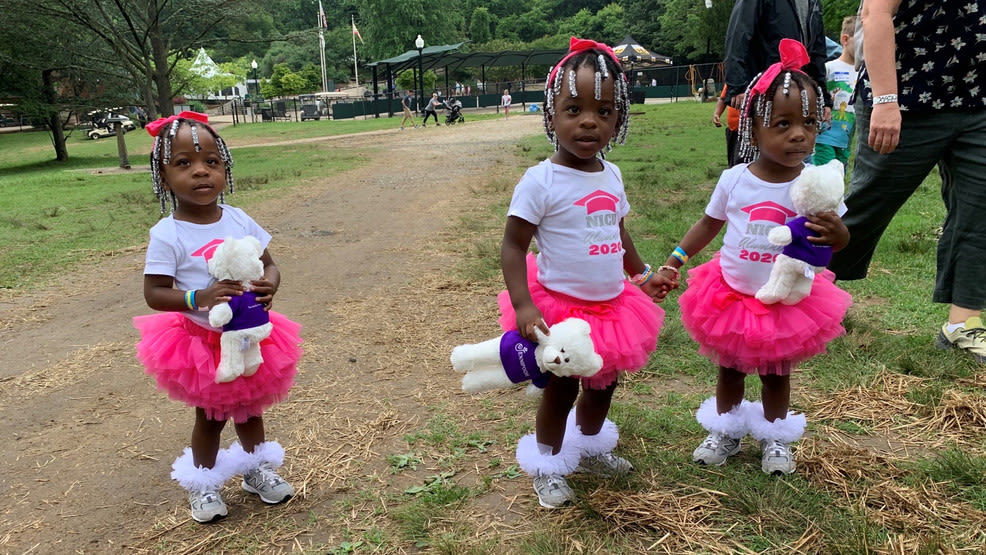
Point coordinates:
pixel 321 46
pixel 352 20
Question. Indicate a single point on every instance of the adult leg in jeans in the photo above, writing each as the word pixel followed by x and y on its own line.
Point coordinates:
pixel 962 246
pixel 882 183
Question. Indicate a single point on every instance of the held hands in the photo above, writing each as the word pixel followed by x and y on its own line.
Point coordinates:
pixel 659 285
pixel 830 230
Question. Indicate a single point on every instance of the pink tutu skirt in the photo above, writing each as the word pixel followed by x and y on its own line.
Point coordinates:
pixel 737 331
pixel 182 356
pixel 624 329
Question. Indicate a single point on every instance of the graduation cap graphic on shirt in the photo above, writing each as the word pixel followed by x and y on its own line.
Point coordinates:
pixel 769 211
pixel 206 250
pixel 597 201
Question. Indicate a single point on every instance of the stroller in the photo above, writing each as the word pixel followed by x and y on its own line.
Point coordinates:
pixel 454 112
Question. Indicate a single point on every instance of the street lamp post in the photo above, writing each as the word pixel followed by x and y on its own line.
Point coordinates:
pixel 419 43
pixel 256 85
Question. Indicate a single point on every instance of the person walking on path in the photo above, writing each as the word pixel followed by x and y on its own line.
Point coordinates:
pixel 406 104
pixel 505 101
pixel 431 109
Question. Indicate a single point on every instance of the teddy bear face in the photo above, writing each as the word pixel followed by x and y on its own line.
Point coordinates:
pixel 818 189
pixel 568 351
pixel 237 260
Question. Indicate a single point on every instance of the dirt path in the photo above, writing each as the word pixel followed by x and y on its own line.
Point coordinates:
pixel 89 441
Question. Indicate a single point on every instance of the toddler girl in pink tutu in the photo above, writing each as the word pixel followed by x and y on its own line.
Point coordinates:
pixel 573 204
pixel 779 120
pixel 190 170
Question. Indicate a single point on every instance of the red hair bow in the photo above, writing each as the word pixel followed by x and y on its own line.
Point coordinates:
pixel 793 56
pixel 155 127
pixel 577 45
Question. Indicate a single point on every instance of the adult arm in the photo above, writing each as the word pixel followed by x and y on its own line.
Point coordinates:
pixel 879 47
pixel 739 34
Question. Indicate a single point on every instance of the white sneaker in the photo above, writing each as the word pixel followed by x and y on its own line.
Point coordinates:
pixel 777 457
pixel 606 464
pixel 716 448
pixel 553 490
pixel 266 483
pixel 207 506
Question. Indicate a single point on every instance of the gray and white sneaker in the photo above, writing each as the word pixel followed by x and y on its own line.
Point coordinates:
pixel 207 506
pixel 777 457
pixel 716 448
pixel 606 464
pixel 553 490
pixel 266 483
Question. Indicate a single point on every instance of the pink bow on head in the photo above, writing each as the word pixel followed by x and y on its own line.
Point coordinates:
pixel 577 45
pixel 155 127
pixel 793 56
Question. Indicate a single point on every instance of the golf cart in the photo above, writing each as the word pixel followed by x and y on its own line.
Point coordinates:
pixel 105 126
pixel 311 107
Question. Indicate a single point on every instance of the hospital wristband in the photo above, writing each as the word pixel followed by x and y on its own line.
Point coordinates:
pixel 190 300
pixel 642 277
pixel 680 255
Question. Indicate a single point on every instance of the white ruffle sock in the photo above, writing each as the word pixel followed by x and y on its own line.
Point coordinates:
pixel 198 478
pixel 589 446
pixel 536 459
pixel 266 452
pixel 734 424
pixel 785 430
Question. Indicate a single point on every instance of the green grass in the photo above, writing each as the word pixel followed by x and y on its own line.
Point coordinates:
pixel 51 215
pixel 670 165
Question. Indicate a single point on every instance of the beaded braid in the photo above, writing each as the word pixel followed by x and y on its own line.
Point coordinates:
pixel 605 68
pixel 161 156
pixel 760 105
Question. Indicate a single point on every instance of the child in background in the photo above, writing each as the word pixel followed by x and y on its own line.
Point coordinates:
pixel 505 101
pixel 840 74
pixel 190 170
pixel 778 123
pixel 574 204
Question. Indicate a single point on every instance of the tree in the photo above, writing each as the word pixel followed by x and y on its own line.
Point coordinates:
pixel 389 27
pixel 697 33
pixel 833 12
pixel 481 25
pixel 54 72
pixel 147 37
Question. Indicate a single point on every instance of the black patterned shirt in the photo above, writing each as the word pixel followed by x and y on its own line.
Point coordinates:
pixel 941 56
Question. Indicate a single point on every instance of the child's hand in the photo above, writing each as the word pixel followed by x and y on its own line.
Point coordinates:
pixel 830 230
pixel 528 318
pixel 658 286
pixel 265 291
pixel 218 292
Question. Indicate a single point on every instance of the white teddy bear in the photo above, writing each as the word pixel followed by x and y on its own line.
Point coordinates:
pixel 818 189
pixel 510 359
pixel 244 321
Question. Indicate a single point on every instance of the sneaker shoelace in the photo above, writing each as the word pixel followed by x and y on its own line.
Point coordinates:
pixel 974 333
pixel 269 477
pixel 776 449
pixel 712 442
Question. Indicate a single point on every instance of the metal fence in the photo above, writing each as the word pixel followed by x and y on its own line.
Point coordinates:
pixel 698 81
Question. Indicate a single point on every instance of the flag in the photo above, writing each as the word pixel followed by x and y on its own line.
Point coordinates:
pixel 356 33
pixel 322 22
